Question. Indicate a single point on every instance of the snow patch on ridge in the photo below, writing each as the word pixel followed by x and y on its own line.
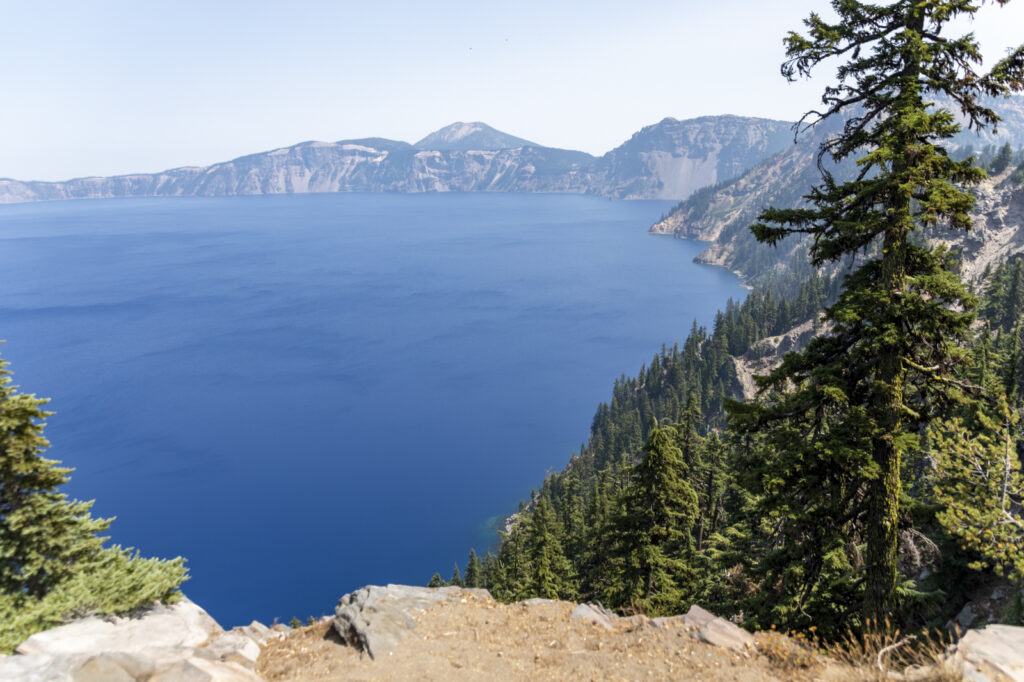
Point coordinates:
pixel 460 130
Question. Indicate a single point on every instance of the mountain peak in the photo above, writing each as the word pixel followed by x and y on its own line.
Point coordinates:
pixel 461 136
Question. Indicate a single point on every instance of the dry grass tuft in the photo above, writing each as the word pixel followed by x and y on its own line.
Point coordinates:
pixel 884 652
pixel 787 653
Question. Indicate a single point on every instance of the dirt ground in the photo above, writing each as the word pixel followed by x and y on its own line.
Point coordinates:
pixel 479 639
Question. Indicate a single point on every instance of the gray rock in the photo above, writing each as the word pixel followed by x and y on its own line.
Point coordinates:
pixel 717 631
pixel 992 654
pixel 967 616
pixel 697 617
pixel 34 668
pixel 179 643
pixel 537 601
pixel 138 666
pixel 721 632
pixel 668 621
pixel 181 625
pixel 258 632
pixel 595 614
pixel 375 619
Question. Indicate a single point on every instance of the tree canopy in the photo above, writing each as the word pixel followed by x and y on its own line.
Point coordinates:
pixel 841 415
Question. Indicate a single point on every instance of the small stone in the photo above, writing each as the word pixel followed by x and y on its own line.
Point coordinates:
pixel 590 613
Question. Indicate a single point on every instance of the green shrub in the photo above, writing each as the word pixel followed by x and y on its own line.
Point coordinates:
pixel 53 565
pixel 115 581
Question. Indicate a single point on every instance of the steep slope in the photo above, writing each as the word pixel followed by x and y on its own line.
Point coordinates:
pixel 998 231
pixel 671 159
pixel 721 214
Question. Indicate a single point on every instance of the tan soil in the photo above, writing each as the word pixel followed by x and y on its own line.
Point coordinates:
pixel 480 639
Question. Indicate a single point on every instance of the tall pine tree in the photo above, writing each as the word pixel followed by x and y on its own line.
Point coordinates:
pixel 43 534
pixel 653 531
pixel 850 405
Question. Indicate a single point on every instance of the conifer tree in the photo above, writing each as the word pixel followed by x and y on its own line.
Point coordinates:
pixel 53 565
pixel 43 534
pixel 456 577
pixel 571 507
pixel 848 407
pixel 1002 160
pixel 653 530
pixel 509 582
pixel 551 574
pixel 474 571
pixel 981 490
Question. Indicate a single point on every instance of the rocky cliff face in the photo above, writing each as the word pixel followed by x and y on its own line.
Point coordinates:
pixel 998 231
pixel 722 214
pixel 669 159
pixel 672 159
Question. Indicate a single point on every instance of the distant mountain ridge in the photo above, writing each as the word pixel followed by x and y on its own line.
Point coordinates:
pixel 669 159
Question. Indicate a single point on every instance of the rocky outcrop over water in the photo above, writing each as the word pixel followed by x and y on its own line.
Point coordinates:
pixel 376 619
pixel 160 644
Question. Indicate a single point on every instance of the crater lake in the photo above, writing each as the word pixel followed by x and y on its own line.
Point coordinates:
pixel 306 394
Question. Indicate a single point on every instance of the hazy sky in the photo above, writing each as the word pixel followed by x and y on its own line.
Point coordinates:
pixel 105 87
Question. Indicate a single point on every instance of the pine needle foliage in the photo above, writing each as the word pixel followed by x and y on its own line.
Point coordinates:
pixel 981 491
pixel 652 533
pixel 840 417
pixel 53 564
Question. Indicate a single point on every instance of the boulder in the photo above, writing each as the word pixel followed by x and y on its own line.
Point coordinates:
pixel 179 626
pixel 697 617
pixel 114 666
pixel 120 667
pixel 594 613
pixel 537 601
pixel 992 654
pixel 375 619
pixel 177 643
pixel 717 631
pixel 35 668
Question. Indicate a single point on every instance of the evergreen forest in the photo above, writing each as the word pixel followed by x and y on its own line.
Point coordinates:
pixel 875 474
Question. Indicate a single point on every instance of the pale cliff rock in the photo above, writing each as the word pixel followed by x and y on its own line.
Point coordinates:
pixel 159 644
pixel 673 158
pixel 998 231
pixel 722 214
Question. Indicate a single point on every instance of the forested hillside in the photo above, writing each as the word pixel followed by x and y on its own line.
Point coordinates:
pixel 561 541
pixel 876 473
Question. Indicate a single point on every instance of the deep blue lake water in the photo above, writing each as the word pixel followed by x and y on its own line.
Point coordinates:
pixel 306 394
